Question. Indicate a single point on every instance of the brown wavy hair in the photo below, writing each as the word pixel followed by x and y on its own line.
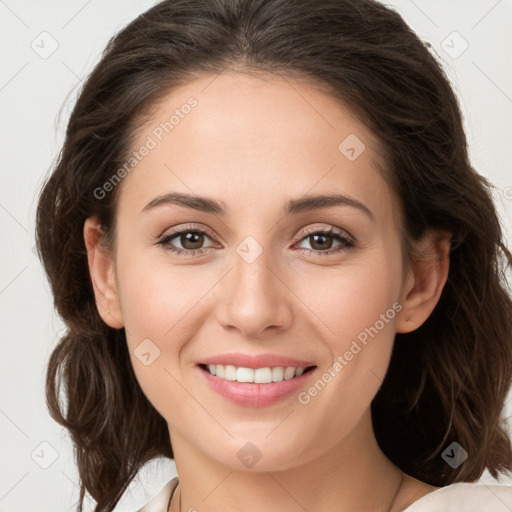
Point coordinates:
pixel 447 380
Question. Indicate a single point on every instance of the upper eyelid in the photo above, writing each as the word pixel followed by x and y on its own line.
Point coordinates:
pixel 188 228
pixel 309 231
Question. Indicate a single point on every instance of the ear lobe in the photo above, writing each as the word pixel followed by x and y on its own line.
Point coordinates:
pixel 102 273
pixel 425 283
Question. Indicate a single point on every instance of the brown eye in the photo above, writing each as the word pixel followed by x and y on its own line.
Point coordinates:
pixel 321 242
pixel 191 241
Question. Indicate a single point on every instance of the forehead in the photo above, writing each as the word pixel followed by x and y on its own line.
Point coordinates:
pixel 265 135
pixel 252 108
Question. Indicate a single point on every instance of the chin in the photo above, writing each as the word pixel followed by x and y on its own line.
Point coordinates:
pixel 260 456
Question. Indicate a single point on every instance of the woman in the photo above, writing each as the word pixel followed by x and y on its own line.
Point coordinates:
pixel 278 267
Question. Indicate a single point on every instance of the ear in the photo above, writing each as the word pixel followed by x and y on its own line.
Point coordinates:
pixel 102 272
pixel 425 280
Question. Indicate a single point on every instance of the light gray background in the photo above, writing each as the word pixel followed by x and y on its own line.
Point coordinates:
pixel 34 86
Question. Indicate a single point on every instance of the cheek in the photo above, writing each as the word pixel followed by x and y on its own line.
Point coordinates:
pixel 346 301
pixel 161 304
pixel 358 307
pixel 156 297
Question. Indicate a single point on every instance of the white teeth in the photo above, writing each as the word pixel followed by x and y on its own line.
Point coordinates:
pixel 277 374
pixel 289 373
pixel 230 372
pixel 220 371
pixel 259 375
pixel 263 376
pixel 245 375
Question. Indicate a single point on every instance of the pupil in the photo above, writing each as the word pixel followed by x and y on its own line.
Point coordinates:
pixel 321 246
pixel 188 238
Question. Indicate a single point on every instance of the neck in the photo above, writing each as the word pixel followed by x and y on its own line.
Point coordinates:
pixel 353 475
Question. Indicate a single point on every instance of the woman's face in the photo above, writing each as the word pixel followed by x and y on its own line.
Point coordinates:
pixel 264 283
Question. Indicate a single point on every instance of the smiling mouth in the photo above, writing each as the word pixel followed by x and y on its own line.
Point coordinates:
pixel 264 375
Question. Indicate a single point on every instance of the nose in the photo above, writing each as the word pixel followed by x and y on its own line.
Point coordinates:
pixel 254 298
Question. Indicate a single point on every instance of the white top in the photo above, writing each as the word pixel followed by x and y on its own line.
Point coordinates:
pixel 462 496
pixel 467 497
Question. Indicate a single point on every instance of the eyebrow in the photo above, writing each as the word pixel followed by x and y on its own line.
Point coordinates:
pixel 293 206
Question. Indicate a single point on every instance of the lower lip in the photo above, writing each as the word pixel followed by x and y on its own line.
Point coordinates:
pixel 255 395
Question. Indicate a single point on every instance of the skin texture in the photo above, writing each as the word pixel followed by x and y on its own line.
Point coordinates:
pixel 254 143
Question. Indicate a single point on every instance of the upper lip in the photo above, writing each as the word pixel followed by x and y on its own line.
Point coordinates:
pixel 255 361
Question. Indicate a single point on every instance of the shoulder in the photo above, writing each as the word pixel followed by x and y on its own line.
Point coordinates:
pixel 470 497
pixel 160 502
pixel 155 480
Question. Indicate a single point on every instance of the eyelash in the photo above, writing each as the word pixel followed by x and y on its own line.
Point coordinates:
pixel 346 241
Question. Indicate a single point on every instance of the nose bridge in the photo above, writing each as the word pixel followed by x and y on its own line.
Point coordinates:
pixel 254 298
